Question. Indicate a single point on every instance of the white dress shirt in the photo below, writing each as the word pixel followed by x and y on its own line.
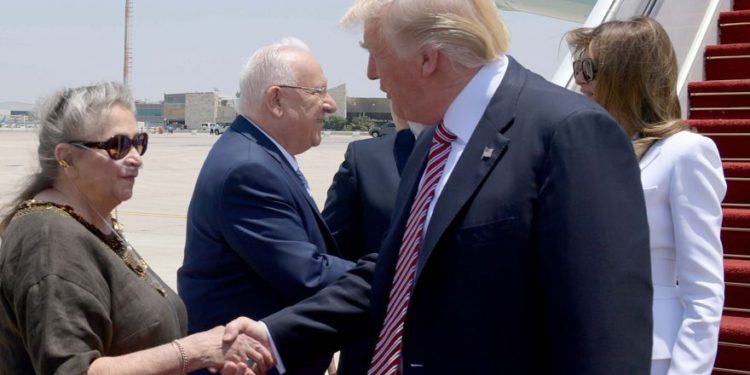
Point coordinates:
pixel 463 116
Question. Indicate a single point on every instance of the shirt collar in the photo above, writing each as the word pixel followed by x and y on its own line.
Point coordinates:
pixel 464 113
pixel 289 158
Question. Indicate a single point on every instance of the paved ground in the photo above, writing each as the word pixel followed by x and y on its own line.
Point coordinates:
pixel 154 218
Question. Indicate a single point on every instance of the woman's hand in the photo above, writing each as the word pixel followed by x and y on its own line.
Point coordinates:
pixel 207 350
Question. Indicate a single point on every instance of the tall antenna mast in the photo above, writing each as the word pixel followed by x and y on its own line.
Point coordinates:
pixel 128 55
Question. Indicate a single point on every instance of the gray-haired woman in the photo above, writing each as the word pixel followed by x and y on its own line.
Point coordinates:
pixel 75 297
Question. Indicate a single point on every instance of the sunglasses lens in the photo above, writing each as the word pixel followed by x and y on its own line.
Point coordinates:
pixel 118 146
pixel 589 69
pixel 141 142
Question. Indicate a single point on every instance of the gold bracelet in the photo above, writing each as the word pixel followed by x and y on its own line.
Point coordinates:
pixel 183 356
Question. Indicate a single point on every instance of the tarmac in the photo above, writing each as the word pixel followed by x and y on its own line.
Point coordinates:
pixel 154 218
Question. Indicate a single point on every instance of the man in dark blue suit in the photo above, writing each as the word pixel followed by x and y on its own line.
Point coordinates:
pixel 519 243
pixel 361 197
pixel 255 239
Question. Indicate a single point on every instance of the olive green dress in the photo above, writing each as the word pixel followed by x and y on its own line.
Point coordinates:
pixel 69 294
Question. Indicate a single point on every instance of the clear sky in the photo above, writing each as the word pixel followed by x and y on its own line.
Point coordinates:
pixel 193 46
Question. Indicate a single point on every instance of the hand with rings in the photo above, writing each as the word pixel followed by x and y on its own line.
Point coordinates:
pixel 248 355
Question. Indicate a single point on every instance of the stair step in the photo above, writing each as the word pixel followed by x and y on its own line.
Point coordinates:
pixel 736 217
pixel 736 169
pixel 735 232
pixel 737 85
pixel 732 359
pixel 729 99
pixel 738 190
pixel 741 4
pixel 728 61
pixel 734 16
pixel 732 145
pixel 737 271
pixel 734 343
pixel 736 242
pixel 723 371
pixel 735 329
pixel 721 126
pixel 737 293
pixel 732 137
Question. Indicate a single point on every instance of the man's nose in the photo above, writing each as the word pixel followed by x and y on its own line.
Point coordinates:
pixel 372 71
pixel 329 105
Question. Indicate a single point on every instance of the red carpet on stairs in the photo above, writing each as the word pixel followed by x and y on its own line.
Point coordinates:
pixel 733 26
pixel 719 108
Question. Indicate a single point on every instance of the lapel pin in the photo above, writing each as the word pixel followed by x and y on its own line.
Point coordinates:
pixel 487 153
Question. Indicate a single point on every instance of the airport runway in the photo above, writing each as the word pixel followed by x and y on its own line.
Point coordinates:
pixel 154 218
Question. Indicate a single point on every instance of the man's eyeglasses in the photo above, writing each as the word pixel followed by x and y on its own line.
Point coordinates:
pixel 118 146
pixel 586 67
pixel 310 90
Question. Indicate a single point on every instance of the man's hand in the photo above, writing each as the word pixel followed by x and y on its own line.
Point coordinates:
pixel 258 347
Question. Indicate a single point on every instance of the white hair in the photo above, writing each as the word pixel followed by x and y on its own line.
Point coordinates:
pixel 68 115
pixel 268 66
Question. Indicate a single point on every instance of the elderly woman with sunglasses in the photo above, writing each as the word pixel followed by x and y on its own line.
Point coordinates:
pixel 630 68
pixel 75 297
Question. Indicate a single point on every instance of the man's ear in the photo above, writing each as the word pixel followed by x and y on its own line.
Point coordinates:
pixel 272 101
pixel 430 59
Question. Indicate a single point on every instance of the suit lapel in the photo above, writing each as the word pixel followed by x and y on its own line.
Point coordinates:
pixel 485 148
pixel 250 131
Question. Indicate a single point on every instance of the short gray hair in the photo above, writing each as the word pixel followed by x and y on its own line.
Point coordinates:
pixel 268 66
pixel 64 116
pixel 469 32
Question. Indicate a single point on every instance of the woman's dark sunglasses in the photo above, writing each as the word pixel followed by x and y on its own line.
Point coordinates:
pixel 118 146
pixel 586 67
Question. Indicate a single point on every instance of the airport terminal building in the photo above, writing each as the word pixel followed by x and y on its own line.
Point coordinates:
pixel 190 110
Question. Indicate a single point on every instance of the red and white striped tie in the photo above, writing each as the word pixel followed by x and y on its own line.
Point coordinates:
pixel 388 349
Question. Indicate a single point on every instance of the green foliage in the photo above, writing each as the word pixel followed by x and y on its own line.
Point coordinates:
pixel 334 123
pixel 362 123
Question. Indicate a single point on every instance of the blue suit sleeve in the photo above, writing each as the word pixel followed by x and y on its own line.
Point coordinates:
pixel 265 225
pixel 594 249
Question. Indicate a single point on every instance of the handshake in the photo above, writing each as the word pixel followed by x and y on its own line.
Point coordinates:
pixel 245 349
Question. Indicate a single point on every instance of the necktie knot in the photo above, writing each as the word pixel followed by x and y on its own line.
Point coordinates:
pixel 443 135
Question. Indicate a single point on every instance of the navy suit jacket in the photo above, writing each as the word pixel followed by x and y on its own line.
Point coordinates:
pixel 361 198
pixel 535 261
pixel 255 239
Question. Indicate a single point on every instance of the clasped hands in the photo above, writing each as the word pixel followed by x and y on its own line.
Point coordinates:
pixel 248 349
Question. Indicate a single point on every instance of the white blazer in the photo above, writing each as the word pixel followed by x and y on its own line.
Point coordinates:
pixel 683 183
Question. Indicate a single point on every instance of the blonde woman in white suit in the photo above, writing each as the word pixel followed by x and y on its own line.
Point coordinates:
pixel 630 68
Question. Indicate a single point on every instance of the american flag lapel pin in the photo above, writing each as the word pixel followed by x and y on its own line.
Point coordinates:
pixel 487 153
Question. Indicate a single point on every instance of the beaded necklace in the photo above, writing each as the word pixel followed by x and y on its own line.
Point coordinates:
pixel 115 241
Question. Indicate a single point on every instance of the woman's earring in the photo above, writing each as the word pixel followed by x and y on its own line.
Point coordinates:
pixel 63 163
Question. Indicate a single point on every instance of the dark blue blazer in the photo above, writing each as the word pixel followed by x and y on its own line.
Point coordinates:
pixel 360 200
pixel 255 239
pixel 535 261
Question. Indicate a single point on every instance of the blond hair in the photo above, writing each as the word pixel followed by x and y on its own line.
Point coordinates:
pixel 469 32
pixel 636 79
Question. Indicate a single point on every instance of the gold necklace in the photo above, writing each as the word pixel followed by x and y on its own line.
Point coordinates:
pixel 114 241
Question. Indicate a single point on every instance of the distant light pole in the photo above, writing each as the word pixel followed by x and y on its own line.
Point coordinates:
pixel 128 53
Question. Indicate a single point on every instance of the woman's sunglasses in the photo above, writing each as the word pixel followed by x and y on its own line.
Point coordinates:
pixel 586 67
pixel 118 146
